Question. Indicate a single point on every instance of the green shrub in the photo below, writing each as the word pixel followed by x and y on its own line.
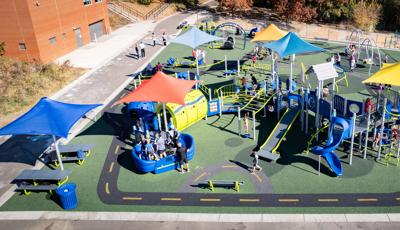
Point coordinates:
pixel 145 2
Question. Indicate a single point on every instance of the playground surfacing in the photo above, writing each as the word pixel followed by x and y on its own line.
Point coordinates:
pixel 108 181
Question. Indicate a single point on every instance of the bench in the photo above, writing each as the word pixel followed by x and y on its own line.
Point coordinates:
pixel 72 153
pixel 230 72
pixel 221 183
pixel 73 148
pixel 40 180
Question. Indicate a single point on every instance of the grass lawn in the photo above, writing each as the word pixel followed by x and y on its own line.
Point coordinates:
pixel 217 143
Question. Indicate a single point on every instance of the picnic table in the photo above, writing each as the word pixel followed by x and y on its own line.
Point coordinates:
pixel 41 180
pixel 221 183
pixel 72 153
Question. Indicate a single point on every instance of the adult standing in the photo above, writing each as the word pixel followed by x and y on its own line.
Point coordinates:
pixel 182 154
pixel 164 38
pixel 142 49
pixel 138 53
pixel 154 38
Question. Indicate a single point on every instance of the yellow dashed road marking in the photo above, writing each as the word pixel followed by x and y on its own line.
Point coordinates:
pixel 199 177
pixel 288 200
pixel 367 200
pixel 116 149
pixel 249 200
pixel 171 199
pixel 398 198
pixel 132 198
pixel 107 190
pixel 111 167
pixel 328 200
pixel 210 200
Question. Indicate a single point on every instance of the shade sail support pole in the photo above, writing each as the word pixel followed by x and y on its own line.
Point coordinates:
pixel 58 153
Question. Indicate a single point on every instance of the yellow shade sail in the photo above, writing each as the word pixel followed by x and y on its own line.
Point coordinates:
pixel 271 33
pixel 389 75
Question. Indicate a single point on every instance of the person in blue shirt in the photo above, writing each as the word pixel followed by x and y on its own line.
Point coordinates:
pixel 150 150
pixel 139 149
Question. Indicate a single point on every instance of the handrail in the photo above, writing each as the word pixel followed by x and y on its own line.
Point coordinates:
pixel 136 13
pixel 252 98
pixel 266 102
pixel 314 136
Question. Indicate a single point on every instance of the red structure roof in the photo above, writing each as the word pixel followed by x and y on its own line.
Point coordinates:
pixel 160 88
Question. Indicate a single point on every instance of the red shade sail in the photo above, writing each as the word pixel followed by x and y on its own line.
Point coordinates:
pixel 160 88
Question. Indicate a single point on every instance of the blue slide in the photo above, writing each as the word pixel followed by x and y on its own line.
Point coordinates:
pixel 340 129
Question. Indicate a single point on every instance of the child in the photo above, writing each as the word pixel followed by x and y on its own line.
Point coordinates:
pixel 246 125
pixel 255 163
pixel 243 81
pixel 150 150
pixel 254 59
pixel 338 59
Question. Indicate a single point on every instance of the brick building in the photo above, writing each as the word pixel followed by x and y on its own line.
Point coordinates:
pixel 44 30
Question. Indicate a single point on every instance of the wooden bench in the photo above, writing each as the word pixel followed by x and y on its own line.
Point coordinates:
pixel 40 180
pixel 211 184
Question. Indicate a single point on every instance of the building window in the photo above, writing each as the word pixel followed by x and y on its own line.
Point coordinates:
pixel 96 1
pixel 87 2
pixel 22 46
pixel 52 40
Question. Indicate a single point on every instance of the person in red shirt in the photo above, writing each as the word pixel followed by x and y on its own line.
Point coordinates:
pixel 368 105
pixel 254 59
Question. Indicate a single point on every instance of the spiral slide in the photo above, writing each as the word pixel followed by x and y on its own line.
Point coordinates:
pixel 340 130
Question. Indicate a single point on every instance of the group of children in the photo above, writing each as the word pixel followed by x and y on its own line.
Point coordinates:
pixel 158 147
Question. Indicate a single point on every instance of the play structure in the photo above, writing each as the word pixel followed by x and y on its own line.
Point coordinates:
pixel 170 162
pixel 229 36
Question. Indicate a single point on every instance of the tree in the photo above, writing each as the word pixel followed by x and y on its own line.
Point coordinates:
pixel 294 10
pixel 366 15
pixel 233 5
pixel 391 15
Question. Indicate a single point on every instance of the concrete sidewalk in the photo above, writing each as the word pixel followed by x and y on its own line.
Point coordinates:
pixel 97 53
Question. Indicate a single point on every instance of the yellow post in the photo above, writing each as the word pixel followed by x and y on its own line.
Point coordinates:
pixel 210 183
pixel 237 186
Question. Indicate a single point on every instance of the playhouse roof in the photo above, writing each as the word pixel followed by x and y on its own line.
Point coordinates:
pixel 324 71
pixel 160 88
pixel 271 33
pixel 389 74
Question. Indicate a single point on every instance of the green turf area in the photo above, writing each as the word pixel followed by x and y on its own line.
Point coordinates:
pixel 218 143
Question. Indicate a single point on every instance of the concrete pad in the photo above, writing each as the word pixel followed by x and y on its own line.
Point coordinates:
pixel 324 218
pixel 367 218
pixel 21 215
pixel 394 217
pixel 282 218
pixel 198 217
pixel 240 218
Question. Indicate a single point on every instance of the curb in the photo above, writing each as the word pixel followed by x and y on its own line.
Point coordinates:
pixel 200 217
